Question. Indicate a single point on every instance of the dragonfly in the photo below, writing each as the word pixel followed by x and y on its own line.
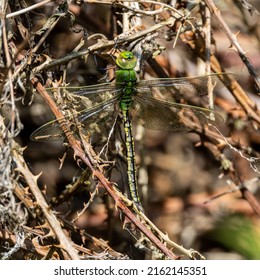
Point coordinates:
pixel 154 103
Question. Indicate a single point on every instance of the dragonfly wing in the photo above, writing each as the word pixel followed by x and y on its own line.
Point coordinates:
pixel 100 118
pixel 86 96
pixel 86 90
pixel 186 87
pixel 169 116
pixel 50 131
pixel 91 107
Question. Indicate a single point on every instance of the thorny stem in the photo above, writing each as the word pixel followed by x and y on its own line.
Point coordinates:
pixel 65 242
pixel 233 39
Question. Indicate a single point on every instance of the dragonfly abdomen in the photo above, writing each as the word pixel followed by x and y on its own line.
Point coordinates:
pixel 130 154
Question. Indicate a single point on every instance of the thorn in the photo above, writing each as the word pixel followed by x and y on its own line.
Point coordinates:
pixel 22 149
pixel 198 144
pixel 233 48
pixel 36 177
pixel 116 205
pixel 45 225
pixel 78 161
pixel 236 34
pixel 50 234
pixel 44 190
pixel 62 160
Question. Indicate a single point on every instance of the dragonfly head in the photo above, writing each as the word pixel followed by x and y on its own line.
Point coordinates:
pixel 126 60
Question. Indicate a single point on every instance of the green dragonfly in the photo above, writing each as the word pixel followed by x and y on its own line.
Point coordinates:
pixel 153 103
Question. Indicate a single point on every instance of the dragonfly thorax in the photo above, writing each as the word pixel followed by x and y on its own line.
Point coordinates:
pixel 126 81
